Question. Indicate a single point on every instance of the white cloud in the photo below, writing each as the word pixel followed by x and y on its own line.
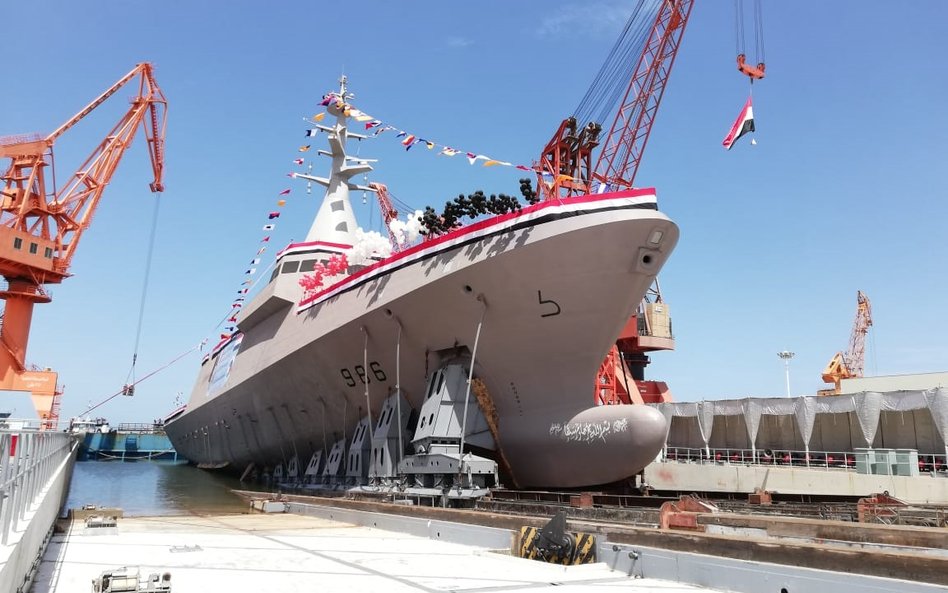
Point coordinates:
pixel 586 18
pixel 459 42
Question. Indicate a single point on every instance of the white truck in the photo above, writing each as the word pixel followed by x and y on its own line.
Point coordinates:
pixel 127 580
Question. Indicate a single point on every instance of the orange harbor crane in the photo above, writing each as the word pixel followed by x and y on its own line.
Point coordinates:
pixel 850 365
pixel 40 224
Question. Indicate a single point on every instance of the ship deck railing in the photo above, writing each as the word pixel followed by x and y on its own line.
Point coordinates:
pixel 29 460
pixel 17 424
pixel 928 464
pixel 139 427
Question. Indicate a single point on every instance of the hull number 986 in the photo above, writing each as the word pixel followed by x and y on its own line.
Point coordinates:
pixel 358 375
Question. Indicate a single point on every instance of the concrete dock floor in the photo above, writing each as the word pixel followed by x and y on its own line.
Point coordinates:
pixel 286 553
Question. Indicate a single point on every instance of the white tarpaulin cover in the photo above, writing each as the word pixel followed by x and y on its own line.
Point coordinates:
pixel 898 419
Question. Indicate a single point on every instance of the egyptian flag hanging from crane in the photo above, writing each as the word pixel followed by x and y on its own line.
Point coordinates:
pixel 742 125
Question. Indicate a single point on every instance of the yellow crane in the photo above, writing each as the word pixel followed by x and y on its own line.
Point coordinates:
pixel 850 365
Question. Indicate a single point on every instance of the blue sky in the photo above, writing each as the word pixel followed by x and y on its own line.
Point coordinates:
pixel 844 191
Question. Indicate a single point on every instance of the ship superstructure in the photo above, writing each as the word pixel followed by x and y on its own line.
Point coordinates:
pixel 445 367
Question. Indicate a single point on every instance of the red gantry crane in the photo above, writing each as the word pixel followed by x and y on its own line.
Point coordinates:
pixel 850 365
pixel 567 168
pixel 41 224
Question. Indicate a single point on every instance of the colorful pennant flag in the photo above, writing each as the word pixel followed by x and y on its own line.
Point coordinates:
pixel 312 132
pixel 285 192
pixel 409 140
pixel 273 215
pixel 304 148
pixel 298 161
pixel 255 261
pixel 281 203
pixel 268 227
pixel 319 116
pixel 265 239
pixel 251 271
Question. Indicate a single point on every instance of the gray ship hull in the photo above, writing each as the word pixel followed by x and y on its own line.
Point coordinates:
pixel 551 288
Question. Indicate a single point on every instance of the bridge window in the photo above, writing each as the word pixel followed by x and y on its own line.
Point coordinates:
pixel 308 265
pixel 34 247
pixel 342 227
pixel 17 243
pixel 290 267
pixel 48 253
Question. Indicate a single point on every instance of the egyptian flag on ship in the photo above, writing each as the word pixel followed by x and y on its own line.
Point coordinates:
pixel 743 125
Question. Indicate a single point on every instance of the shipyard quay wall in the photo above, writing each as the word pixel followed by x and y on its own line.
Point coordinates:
pixel 35 471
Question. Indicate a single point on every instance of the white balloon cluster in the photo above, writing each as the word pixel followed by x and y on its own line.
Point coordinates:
pixel 369 246
pixel 407 231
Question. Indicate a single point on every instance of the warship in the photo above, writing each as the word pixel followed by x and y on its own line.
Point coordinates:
pixel 451 365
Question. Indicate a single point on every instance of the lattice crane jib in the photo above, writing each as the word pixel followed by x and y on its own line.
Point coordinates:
pixel 625 143
pixel 850 364
pixel 40 224
pixel 856 354
pixel 389 213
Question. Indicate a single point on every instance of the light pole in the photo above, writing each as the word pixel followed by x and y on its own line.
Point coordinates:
pixel 786 355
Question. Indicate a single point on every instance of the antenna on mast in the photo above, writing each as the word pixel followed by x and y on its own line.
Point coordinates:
pixel 344 88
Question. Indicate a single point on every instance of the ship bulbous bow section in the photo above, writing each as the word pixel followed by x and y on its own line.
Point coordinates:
pixel 592 446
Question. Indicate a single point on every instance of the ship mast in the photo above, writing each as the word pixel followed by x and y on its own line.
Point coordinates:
pixel 335 221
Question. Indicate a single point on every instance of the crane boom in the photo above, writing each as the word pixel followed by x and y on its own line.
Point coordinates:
pixel 850 364
pixel 566 166
pixel 40 226
pixel 389 213
pixel 625 143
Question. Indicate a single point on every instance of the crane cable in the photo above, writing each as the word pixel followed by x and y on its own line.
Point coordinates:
pixel 605 92
pixel 129 387
pixel 759 26
pixel 124 389
pixel 740 38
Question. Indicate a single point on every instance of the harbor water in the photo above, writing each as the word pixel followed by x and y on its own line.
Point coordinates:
pixel 150 488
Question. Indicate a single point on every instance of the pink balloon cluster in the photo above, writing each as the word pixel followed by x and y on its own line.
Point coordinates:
pixel 337 264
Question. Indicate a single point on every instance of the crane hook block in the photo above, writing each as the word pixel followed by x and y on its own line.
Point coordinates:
pixel 748 70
